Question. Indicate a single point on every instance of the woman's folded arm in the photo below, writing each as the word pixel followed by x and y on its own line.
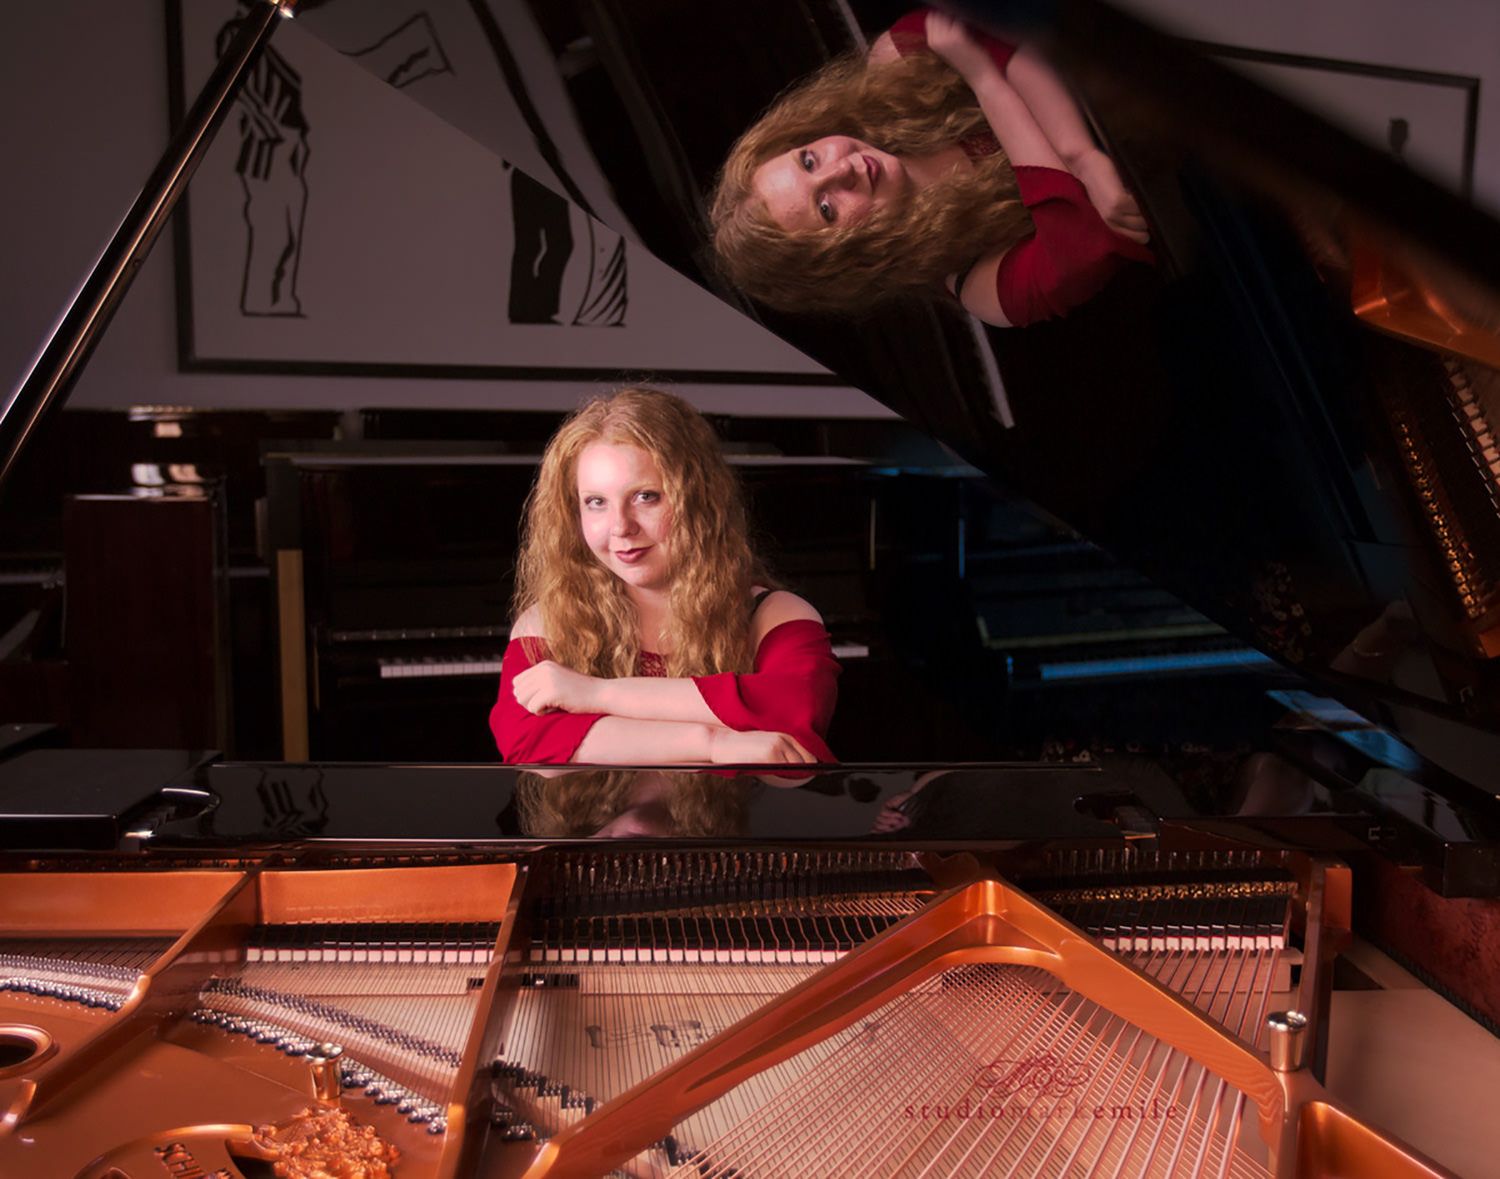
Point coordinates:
pixel 620 740
pixel 659 698
pixel 792 690
pixel 1068 260
pixel 527 738
pixel 909 35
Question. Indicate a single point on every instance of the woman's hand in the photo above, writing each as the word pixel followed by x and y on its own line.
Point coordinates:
pixel 1108 195
pixel 891 818
pixel 551 687
pixel 951 40
pixel 727 747
pixel 896 815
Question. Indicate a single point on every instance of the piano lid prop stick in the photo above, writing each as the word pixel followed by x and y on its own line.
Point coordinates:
pixel 62 358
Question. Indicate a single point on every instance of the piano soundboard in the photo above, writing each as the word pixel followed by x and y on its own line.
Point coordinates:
pixel 633 1012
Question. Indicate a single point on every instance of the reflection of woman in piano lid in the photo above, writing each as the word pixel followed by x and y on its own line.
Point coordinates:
pixel 946 160
pixel 646 631
pixel 622 804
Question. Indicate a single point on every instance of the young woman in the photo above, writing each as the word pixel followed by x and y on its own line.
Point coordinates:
pixel 946 160
pixel 646 631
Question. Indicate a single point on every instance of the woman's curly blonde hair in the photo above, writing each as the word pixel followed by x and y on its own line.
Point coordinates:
pixel 587 617
pixel 910 106
pixel 580 804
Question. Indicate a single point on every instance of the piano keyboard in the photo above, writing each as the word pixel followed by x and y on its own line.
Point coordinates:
pixel 489 664
pixel 421 669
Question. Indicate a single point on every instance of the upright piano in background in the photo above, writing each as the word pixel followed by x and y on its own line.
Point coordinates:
pixel 394 564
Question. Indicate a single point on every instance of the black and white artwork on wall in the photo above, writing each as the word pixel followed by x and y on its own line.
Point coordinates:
pixel 337 228
pixel 1426 119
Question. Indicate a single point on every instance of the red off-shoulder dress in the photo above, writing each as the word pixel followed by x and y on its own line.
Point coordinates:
pixel 1072 254
pixel 792 690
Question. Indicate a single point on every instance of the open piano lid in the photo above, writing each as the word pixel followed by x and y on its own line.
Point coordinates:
pixel 1288 421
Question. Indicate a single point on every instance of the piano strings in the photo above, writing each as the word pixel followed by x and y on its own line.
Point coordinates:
pixel 94 973
pixel 399 1000
pixel 637 960
pixel 1218 946
pixel 1003 1072
pixel 697 1013
pixel 1045 1078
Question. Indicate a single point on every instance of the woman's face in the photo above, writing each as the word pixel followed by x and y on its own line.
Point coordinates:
pixel 623 513
pixel 832 181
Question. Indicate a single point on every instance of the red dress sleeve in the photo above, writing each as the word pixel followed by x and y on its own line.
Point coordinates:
pixel 909 36
pixel 792 690
pixel 1068 259
pixel 524 738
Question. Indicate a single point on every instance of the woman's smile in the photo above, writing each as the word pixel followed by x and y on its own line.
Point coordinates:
pixel 623 513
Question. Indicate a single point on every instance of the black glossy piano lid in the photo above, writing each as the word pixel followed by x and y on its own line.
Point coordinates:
pixel 245 805
pixel 1343 793
pixel 1339 786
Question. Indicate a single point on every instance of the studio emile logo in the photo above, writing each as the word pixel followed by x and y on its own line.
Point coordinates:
pixel 1043 1086
pixel 1045 1074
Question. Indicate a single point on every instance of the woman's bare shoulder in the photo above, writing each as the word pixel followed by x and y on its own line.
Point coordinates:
pixel 882 50
pixel 528 625
pixel 980 295
pixel 782 606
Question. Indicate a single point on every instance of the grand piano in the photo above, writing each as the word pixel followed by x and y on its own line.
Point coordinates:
pixel 1108 960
